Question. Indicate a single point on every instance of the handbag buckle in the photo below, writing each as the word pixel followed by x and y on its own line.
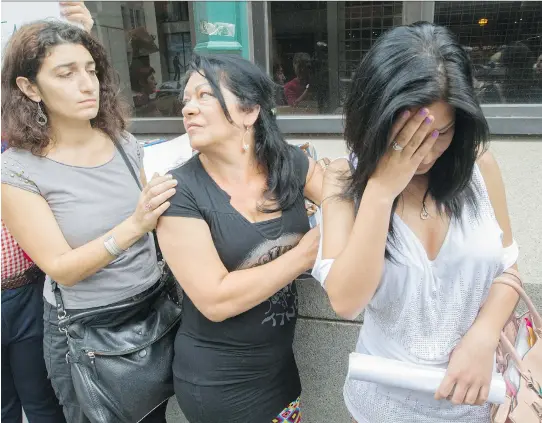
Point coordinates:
pixel 60 313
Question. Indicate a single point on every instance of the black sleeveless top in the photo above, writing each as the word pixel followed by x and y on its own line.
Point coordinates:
pixel 250 353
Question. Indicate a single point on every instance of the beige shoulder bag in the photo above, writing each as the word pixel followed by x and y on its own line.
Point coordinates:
pixel 519 359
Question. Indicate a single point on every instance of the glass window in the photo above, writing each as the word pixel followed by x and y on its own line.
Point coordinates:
pixel 313 64
pixel 360 24
pixel 504 40
pixel 298 55
pixel 150 46
pixel 311 48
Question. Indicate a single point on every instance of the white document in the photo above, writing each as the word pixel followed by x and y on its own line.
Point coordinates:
pixel 415 377
pixel 163 157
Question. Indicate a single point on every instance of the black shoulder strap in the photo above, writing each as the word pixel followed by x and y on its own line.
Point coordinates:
pixel 138 182
pixel 61 311
pixel 127 162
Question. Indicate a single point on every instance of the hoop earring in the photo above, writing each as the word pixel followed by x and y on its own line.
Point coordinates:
pixel 41 117
pixel 245 145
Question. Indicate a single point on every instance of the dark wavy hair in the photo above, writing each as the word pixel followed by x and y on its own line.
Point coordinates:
pixel 408 67
pixel 24 55
pixel 254 87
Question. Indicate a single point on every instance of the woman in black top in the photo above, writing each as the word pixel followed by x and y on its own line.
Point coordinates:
pixel 236 237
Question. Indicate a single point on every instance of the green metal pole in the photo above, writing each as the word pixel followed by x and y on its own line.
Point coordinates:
pixel 222 27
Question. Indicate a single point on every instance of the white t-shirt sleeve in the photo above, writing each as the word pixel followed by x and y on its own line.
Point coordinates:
pixel 510 255
pixel 321 266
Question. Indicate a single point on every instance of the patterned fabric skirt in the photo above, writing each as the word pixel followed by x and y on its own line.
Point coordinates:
pixel 291 414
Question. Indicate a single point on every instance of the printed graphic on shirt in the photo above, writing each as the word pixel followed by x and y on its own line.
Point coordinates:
pixel 283 305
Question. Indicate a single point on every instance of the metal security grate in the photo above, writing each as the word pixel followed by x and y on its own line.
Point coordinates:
pixel 504 40
pixel 360 24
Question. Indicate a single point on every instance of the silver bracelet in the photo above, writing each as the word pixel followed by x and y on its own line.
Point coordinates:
pixel 112 247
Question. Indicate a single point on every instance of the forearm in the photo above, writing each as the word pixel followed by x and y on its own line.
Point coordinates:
pixel 242 290
pixel 356 271
pixel 78 264
pixel 497 309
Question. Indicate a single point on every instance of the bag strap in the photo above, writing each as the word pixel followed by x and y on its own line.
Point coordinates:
pixel 60 310
pixel 513 272
pixel 138 182
pixel 63 319
pixel 127 163
pixel 506 280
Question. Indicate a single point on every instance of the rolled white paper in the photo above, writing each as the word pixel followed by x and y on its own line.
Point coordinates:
pixel 415 377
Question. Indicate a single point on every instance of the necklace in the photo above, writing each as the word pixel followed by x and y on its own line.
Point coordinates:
pixel 424 214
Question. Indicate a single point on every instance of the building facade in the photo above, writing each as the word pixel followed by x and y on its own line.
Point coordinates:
pixel 151 43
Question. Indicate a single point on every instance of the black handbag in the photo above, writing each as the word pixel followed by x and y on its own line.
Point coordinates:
pixel 121 354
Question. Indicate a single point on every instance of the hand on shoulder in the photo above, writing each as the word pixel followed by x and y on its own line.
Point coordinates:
pixel 337 174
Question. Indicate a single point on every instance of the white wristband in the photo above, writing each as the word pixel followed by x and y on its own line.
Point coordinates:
pixel 112 247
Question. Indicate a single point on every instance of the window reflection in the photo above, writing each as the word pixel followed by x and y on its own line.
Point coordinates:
pixel 504 40
pixel 150 44
pixel 301 45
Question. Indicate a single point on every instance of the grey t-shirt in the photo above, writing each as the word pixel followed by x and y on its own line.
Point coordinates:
pixel 87 203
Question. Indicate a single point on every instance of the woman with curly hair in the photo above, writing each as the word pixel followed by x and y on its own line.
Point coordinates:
pixel 69 199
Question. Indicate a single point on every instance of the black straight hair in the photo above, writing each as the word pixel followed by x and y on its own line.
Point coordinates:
pixel 252 86
pixel 414 66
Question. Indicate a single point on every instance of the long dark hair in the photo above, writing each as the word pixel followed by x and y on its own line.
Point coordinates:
pixel 253 87
pixel 24 55
pixel 414 66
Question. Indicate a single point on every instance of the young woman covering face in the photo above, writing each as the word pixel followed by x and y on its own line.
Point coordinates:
pixel 416 228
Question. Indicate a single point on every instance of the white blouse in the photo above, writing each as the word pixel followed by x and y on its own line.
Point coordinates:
pixel 422 308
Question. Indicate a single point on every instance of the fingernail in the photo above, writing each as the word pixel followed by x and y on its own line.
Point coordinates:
pixel 423 112
pixel 405 114
pixel 435 134
pixel 428 120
